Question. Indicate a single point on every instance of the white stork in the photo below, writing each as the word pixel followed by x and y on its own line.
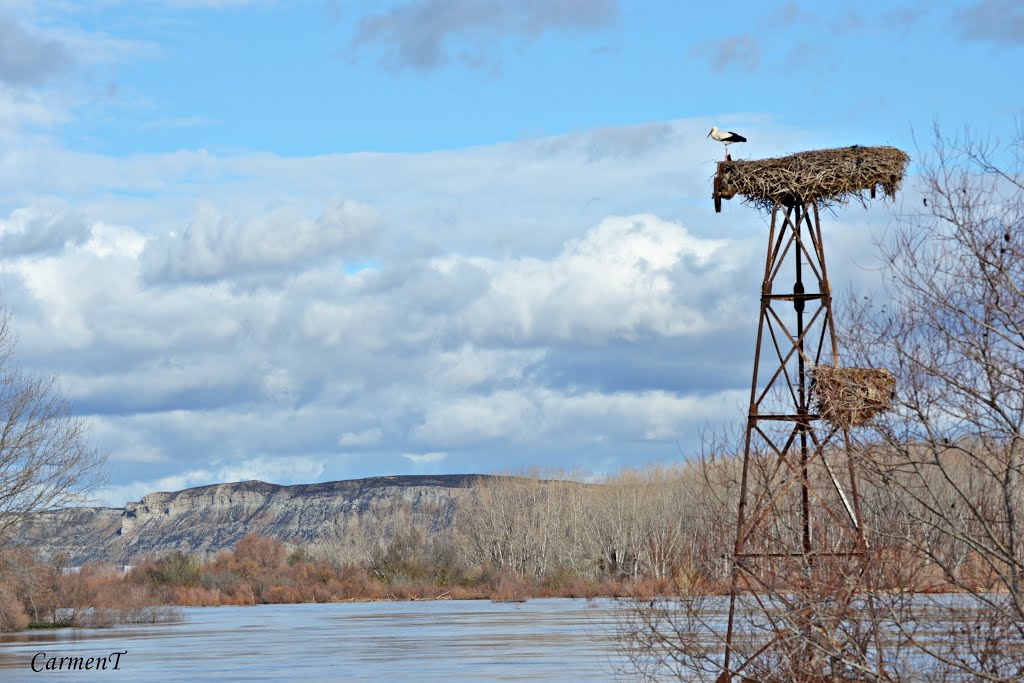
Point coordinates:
pixel 726 138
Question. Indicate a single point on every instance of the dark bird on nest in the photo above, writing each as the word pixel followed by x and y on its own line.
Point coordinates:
pixel 726 138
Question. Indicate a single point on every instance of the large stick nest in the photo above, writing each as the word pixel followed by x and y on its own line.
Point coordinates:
pixel 819 176
pixel 850 397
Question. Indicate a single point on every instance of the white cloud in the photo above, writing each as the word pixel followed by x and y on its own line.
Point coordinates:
pixel 27 57
pixel 42 229
pixel 21 109
pixel 212 246
pixel 293 470
pixel 628 276
pixel 50 73
pixel 275 470
pixel 575 324
pixel 279 385
pixel 529 415
pixel 112 241
pixel 365 437
pixel 470 366
pixel 425 458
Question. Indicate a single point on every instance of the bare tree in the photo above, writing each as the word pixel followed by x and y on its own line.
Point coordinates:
pixel 506 525
pixel 678 632
pixel 46 461
pixel 948 461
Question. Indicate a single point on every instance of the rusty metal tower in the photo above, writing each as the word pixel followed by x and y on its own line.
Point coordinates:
pixel 799 523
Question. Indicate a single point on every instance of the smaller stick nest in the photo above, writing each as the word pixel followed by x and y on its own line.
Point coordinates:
pixel 820 176
pixel 850 397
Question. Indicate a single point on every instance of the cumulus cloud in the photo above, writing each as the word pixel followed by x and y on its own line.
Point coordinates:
pixel 88 302
pixel 551 330
pixel 628 277
pixel 425 458
pixel 213 246
pixel 20 108
pixel 42 229
pixel 426 34
pixel 522 415
pixel 200 382
pixel 364 437
pixel 469 366
pixel 629 141
pixel 28 58
pixel 294 470
pixel 486 321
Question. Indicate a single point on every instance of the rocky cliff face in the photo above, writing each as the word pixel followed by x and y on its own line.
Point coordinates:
pixel 207 519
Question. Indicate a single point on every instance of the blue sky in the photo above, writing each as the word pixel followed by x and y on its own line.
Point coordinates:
pixel 307 241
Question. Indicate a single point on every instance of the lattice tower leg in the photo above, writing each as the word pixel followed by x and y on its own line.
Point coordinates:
pixel 798 521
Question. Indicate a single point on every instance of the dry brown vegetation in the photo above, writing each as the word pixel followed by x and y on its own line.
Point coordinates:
pixel 660 530
pixel 43 595
pixel 516 537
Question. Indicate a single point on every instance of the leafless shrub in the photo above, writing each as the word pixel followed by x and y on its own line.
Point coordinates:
pixel 45 459
pixel 947 463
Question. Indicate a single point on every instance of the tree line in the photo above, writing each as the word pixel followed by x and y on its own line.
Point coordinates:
pixel 661 529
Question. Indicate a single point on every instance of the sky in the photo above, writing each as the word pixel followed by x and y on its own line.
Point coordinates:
pixel 316 240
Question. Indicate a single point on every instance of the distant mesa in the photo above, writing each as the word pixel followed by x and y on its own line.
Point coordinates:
pixel 206 519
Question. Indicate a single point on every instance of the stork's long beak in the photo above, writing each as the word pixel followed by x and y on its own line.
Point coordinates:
pixel 708 135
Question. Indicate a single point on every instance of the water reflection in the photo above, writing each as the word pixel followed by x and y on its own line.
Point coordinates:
pixel 449 640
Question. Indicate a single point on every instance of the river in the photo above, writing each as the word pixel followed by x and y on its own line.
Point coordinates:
pixel 443 640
